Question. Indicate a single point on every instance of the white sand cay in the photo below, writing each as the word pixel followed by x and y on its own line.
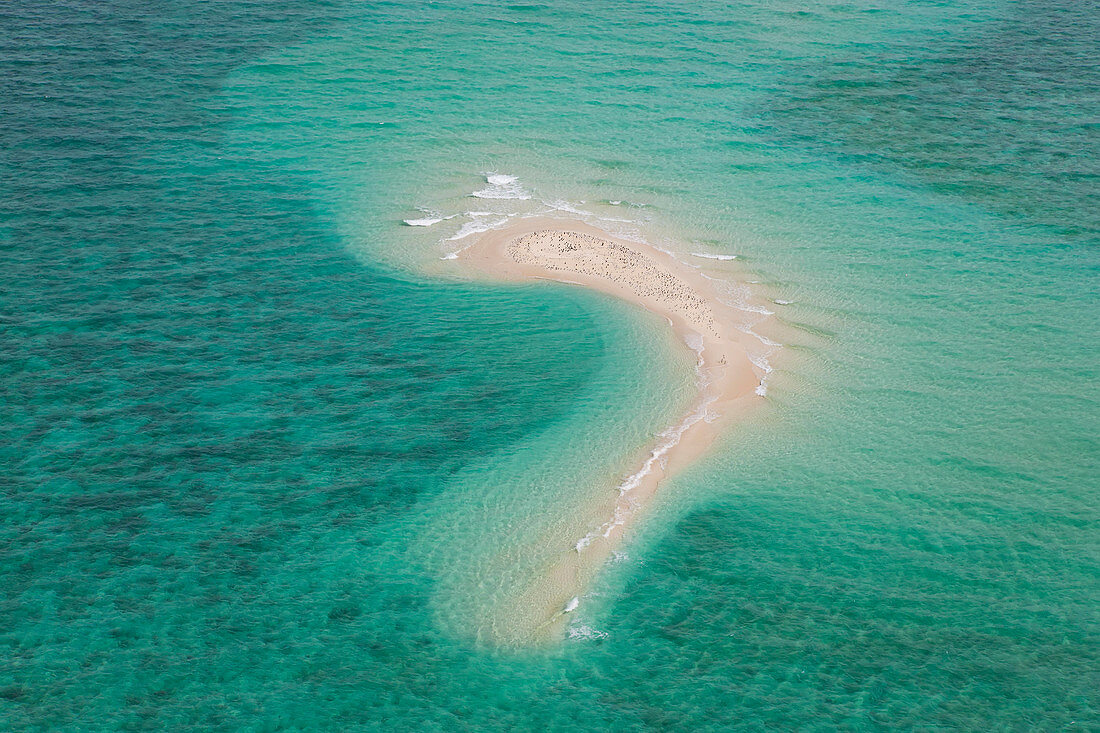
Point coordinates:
pixel 576 253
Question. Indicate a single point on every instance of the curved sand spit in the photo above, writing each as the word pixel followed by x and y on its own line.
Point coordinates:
pixel 576 253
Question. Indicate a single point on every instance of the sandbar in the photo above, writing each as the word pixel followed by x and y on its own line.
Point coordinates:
pixel 576 253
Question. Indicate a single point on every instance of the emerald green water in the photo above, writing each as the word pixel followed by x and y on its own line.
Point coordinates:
pixel 267 464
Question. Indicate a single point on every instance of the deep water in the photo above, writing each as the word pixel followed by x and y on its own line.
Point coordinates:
pixel 250 451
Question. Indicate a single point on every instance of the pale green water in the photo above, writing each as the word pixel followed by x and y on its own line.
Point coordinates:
pixel 260 471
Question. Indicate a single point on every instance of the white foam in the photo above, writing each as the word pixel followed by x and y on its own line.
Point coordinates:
pixel 749 308
pixel 476 227
pixel 706 256
pixel 761 362
pixel 763 339
pixel 738 297
pixel 741 305
pixel 586 632
pixel 568 207
pixel 572 605
pixel 777 301
pixel 668 439
pixel 428 220
pixel 694 342
pixel 502 186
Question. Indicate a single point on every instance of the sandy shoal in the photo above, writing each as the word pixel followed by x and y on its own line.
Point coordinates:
pixel 579 254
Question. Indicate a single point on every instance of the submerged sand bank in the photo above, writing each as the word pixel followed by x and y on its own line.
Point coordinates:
pixel 576 253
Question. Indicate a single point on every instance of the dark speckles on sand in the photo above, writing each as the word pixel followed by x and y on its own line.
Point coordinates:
pixel 584 254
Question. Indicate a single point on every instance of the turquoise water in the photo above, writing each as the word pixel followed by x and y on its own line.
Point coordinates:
pixel 265 463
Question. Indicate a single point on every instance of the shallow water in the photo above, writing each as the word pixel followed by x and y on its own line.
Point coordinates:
pixel 266 464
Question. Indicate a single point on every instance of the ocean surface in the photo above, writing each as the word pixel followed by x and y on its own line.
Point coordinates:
pixel 268 463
